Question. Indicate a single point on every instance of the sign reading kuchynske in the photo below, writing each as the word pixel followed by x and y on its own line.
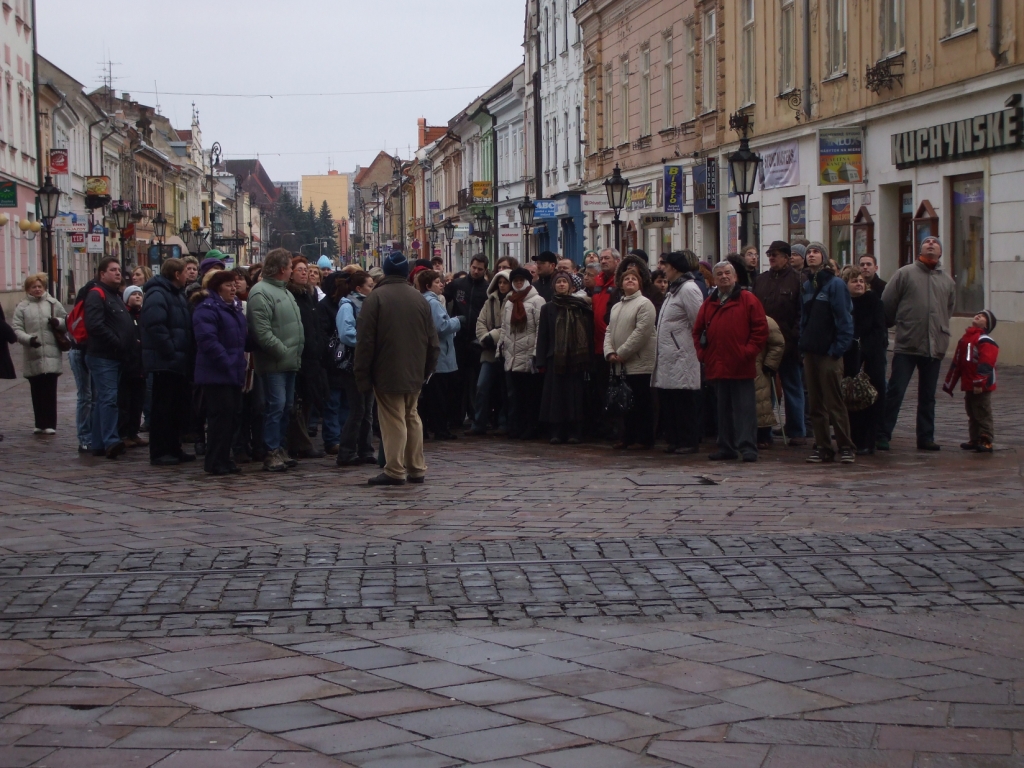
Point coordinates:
pixel 960 139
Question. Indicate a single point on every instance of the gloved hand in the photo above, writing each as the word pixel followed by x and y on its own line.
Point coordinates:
pixel 488 342
pixel 35 343
pixel 768 372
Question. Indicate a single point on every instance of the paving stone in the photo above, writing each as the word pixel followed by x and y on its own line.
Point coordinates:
pixel 649 699
pixel 198 758
pixel 500 743
pixel 449 721
pixel 350 737
pixel 776 699
pixel 400 756
pixel 492 692
pixel 602 755
pixel 783 669
pixel 286 717
pixel 74 736
pixel 615 726
pixel 710 714
pixel 899 712
pixel 857 688
pixel 785 756
pixel 799 732
pixel 301 688
pixel 101 758
pixel 181 738
pixel 699 755
pixel 19 757
pixel 143 715
pixel 432 674
pixel 369 705
pixel 945 740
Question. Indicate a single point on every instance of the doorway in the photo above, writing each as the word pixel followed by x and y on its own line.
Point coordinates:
pixel 906 242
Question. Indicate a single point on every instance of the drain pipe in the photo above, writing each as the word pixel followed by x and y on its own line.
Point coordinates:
pixel 993 30
pixel 807 58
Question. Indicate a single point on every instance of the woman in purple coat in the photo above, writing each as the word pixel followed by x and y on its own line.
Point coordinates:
pixel 220 332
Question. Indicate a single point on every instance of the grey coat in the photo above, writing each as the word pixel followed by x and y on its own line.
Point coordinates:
pixel 631 334
pixel 32 319
pixel 675 364
pixel 919 301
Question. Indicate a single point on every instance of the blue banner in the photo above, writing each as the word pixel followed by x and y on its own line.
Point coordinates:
pixel 675 189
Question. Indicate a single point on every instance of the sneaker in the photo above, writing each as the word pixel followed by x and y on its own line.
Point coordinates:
pixel 49 431
pixel 882 445
pixel 928 445
pixel 819 455
pixel 367 459
pixel 83 448
pixel 846 456
pixel 723 456
pixel 969 446
pixel 348 461
pixel 384 479
pixel 287 460
pixel 37 431
pixel 984 446
pixel 274 463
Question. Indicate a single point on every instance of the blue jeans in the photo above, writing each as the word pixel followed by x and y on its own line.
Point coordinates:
pixel 793 392
pixel 105 374
pixel 903 367
pixel 279 393
pixel 491 375
pixel 335 414
pixel 83 412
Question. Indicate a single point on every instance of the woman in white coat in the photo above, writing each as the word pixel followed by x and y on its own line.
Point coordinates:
pixel 517 344
pixel 676 377
pixel 34 322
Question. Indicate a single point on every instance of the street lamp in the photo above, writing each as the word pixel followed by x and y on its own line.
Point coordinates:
pixel 617 188
pixel 449 234
pixel 743 164
pixel 398 177
pixel 526 210
pixel 48 200
pixel 160 226
pixel 483 229
pixel 121 210
pixel 432 235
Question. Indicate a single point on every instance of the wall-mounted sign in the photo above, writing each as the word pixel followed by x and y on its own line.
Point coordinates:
pixel 640 196
pixel 434 205
pixel 78 241
pixel 840 156
pixel 675 189
pixel 959 139
pixel 594 203
pixel 509 235
pixel 657 220
pixel 149 206
pixel 549 209
pixel 797 212
pixel 94 242
pixel 482 192
pixel 58 165
pixel 712 183
pixel 780 165
pixel 8 194
pixel 705 186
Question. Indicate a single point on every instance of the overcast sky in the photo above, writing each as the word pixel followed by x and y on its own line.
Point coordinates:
pixel 196 47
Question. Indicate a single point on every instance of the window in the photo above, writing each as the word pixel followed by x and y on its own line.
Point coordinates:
pixel 565 124
pixel 787 40
pixel 547 144
pixel 544 39
pixel 547 36
pixel 961 15
pixel 710 63
pixel 668 116
pixel 579 133
pixel 554 144
pixel 579 32
pixel 747 47
pixel 624 101
pixel 645 91
pixel 891 26
pixel 607 122
pixel 690 74
pixel 968 198
pixel 565 26
pixel 592 114
pixel 835 37
pixel 839 227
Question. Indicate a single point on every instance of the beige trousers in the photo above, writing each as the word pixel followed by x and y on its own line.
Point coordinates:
pixel 402 433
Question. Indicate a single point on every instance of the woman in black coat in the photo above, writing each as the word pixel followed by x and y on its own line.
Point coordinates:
pixel 870 341
pixel 7 336
pixel 564 341
pixel 311 383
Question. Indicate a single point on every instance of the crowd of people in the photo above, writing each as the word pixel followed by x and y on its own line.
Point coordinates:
pixel 251 364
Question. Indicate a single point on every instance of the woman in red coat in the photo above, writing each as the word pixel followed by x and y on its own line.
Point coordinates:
pixel 730 331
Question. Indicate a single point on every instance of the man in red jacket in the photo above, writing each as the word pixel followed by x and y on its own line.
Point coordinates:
pixel 601 294
pixel 974 366
pixel 730 331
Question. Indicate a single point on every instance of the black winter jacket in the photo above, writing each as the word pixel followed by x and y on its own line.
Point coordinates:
pixel 166 329
pixel 7 336
pixel 467 297
pixel 111 329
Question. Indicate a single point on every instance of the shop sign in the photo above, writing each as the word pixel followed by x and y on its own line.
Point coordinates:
pixel 509 235
pixel 780 165
pixel 8 194
pixel 94 242
pixel 549 209
pixel 482 192
pixel 97 186
pixel 675 189
pixel 640 196
pixel 705 186
pixel 78 241
pixel 839 209
pixel 462 232
pixel 657 220
pixel 840 156
pixel 64 221
pixel 58 165
pixel 734 233
pixel 959 139
pixel 594 203
pixel 434 205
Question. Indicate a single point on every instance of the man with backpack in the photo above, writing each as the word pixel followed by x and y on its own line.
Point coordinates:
pixel 111 335
pixel 76 359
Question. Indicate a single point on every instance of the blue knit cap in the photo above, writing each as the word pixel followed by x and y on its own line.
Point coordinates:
pixel 324 262
pixel 396 265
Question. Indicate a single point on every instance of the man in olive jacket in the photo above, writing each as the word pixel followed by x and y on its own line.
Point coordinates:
pixel 396 352
pixel 276 327
pixel 918 301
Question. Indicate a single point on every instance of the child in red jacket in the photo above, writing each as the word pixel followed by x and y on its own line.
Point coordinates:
pixel 974 366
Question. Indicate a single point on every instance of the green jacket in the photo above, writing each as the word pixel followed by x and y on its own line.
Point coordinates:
pixel 276 326
pixel 919 301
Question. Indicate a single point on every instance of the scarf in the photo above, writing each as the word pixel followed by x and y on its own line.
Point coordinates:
pixel 572 347
pixel 518 308
pixel 928 262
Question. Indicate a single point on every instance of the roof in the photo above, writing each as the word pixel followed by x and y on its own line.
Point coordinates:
pixel 254 179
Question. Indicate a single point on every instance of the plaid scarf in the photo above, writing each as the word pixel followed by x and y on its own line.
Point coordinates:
pixel 572 347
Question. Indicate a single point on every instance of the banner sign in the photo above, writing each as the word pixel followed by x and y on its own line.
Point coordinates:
pixel 58 162
pixel 840 156
pixel 8 194
pixel 78 241
pixel 482 192
pixel 675 189
pixel 712 183
pixel 705 186
pixel 640 196
pixel 509 235
pixel 97 185
pixel 94 242
pixel 780 165
pixel 594 203
pixel 960 139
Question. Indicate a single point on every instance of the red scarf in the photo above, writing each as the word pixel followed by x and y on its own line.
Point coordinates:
pixel 518 308
pixel 928 262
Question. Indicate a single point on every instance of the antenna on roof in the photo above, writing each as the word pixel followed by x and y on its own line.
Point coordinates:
pixel 156 90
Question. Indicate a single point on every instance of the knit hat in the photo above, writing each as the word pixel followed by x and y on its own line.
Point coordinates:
pixel 821 247
pixel 676 260
pixel 798 249
pixel 642 255
pixel 376 273
pixel 324 263
pixel 547 256
pixel 988 313
pixel 135 289
pixel 520 272
pixel 577 282
pixel 396 265
pixel 563 275
pixel 214 253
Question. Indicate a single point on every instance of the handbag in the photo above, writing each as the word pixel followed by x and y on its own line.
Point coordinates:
pixel 619 398
pixel 858 392
pixel 342 355
pixel 61 337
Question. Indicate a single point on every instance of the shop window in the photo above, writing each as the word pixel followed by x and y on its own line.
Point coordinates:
pixel 863 235
pixel 926 224
pixel 968 252
pixel 839 228
pixel 796 218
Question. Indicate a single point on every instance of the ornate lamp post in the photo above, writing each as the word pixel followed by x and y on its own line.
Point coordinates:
pixel 399 177
pixel 526 210
pixel 48 202
pixel 743 163
pixel 121 210
pixel 617 188
pixel 483 228
pixel 160 227
pixel 449 233
pixel 432 235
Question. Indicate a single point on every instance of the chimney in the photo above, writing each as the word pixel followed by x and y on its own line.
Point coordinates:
pixel 332 173
pixel 126 96
pixel 421 124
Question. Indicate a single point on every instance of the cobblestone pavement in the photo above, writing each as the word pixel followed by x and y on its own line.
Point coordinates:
pixel 527 607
